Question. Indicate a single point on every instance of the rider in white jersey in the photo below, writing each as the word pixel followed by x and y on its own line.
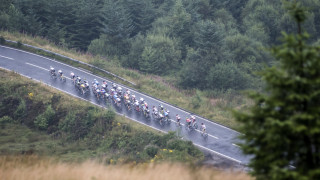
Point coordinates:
pixel 203 128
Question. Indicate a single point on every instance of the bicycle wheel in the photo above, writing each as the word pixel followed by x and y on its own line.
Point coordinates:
pixel 195 126
pixel 205 135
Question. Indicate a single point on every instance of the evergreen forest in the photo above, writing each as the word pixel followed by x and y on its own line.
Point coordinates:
pixel 203 44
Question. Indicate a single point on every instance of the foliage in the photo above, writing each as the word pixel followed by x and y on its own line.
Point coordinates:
pixel 151 150
pixel 43 120
pixel 159 55
pixel 4 120
pixel 21 110
pixel 227 76
pixel 2 40
pixel 282 128
pixel 196 100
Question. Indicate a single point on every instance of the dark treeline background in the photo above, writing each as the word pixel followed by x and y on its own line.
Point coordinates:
pixel 207 44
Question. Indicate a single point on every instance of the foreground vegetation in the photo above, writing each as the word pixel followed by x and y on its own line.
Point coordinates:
pixel 32 167
pixel 35 119
pixel 282 127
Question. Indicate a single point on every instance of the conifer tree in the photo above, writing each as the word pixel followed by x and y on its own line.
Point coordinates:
pixel 282 129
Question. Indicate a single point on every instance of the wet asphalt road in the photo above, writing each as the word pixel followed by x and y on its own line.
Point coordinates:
pixel 221 140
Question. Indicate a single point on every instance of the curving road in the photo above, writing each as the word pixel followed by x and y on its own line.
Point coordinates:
pixel 221 140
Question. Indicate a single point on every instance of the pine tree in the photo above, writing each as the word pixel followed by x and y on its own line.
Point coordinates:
pixel 142 14
pixel 88 25
pixel 282 130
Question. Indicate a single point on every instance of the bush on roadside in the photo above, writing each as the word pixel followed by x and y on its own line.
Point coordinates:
pixel 2 40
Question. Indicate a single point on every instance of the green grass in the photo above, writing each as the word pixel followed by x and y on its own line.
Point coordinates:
pixel 213 105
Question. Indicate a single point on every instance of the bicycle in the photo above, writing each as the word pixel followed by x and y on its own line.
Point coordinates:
pixel 62 78
pixel 195 125
pixel 53 74
pixel 188 127
pixel 178 124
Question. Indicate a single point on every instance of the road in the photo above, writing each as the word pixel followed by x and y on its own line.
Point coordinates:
pixel 221 140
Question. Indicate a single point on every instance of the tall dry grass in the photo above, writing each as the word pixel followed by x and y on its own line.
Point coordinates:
pixel 34 168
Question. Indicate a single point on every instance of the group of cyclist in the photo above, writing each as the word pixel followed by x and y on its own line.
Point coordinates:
pixel 54 75
pixel 116 94
pixel 191 123
pixel 100 91
pixel 162 114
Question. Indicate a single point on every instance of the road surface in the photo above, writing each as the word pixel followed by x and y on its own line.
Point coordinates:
pixel 221 140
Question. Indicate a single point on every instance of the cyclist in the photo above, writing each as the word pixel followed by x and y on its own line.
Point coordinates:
pixel 133 98
pixel 96 82
pixel 119 91
pixel 178 119
pixel 136 103
pixel 188 122
pixel 203 129
pixel 194 122
pixel 161 109
pixel 79 79
pixel 193 118
pixel 103 92
pixel 141 101
pixel 72 75
pixel 52 71
pixel 128 92
pixel 61 75
pixel 114 86
pixel 60 72
pixel 105 83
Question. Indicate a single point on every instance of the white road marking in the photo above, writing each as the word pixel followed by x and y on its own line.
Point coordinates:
pixel 37 66
pixel 7 57
pixel 6 69
pixel 292 166
pixel 235 145
pixel 218 153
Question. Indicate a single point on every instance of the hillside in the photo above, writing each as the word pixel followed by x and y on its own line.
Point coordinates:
pixel 39 120
pixel 212 105
pixel 212 45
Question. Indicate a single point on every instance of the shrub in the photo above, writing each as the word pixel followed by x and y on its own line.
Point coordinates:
pixel 4 120
pixel 109 116
pixel 227 76
pixel 151 150
pixel 19 44
pixel 2 40
pixel 196 100
pixel 21 110
pixel 42 121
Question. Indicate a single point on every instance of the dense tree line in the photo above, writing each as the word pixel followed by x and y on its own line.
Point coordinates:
pixel 208 44
pixel 282 129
